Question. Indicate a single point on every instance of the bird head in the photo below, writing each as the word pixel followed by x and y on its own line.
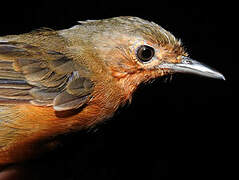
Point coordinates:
pixel 134 50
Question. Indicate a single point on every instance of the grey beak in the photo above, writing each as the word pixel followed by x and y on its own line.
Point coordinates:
pixel 188 65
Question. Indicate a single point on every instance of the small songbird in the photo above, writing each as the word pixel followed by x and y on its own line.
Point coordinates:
pixel 57 82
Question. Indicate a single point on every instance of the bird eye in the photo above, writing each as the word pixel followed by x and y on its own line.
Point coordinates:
pixel 145 53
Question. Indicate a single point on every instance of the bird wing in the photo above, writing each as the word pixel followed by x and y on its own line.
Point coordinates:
pixel 41 77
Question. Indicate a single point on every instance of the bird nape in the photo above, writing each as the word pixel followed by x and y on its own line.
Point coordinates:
pixel 56 82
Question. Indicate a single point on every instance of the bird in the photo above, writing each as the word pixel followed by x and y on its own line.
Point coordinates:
pixel 55 82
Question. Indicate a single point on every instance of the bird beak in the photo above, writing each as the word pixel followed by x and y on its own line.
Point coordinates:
pixel 188 65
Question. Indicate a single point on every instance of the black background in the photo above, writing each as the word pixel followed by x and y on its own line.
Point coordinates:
pixel 185 128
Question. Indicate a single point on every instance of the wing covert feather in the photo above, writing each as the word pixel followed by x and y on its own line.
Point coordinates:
pixel 48 77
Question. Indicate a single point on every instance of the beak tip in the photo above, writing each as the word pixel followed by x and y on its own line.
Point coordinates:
pixel 220 76
pixel 223 78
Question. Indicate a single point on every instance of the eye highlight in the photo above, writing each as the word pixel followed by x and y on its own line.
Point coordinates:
pixel 145 53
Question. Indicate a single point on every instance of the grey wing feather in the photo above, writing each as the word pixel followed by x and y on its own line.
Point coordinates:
pixel 45 78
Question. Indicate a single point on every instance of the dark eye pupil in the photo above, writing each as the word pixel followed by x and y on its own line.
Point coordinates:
pixel 145 53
